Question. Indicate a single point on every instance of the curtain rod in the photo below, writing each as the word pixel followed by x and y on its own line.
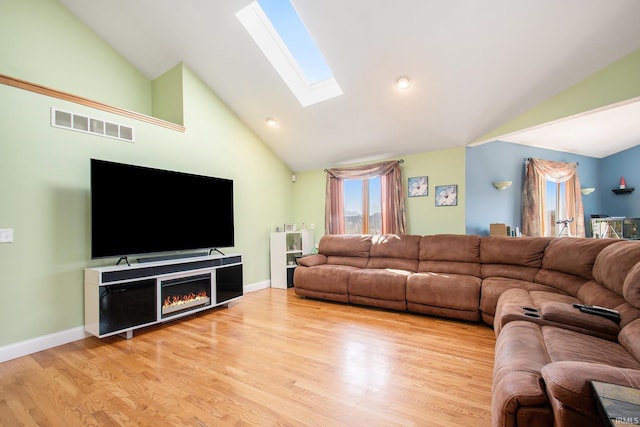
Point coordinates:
pixel 528 159
pixel 399 161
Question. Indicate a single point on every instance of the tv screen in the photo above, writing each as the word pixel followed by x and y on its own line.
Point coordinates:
pixel 140 210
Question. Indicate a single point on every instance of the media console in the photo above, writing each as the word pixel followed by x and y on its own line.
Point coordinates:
pixel 119 299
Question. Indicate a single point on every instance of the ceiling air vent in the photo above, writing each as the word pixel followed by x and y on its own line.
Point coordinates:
pixel 80 123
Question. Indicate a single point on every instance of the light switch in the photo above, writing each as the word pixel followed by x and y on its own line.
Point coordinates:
pixel 6 235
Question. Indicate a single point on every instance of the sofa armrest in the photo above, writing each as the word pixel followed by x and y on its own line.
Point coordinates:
pixel 568 383
pixel 567 314
pixel 312 260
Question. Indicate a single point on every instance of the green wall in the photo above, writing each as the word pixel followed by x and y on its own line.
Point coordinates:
pixel 166 90
pixel 445 167
pixel 44 43
pixel 44 179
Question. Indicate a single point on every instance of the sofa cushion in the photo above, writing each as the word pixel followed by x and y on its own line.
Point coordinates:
pixel 349 245
pixel 351 261
pixel 631 286
pixel 573 255
pixel 614 263
pixel 312 260
pixel 385 284
pixel 394 251
pixel 594 293
pixel 345 249
pixel 450 253
pixel 454 291
pixel 567 384
pixel 512 257
pixel 392 263
pixel 568 263
pixel 629 338
pixel 325 278
pixel 450 247
pixel 493 287
pixel 395 246
pixel 563 344
pixel 567 283
pixel 517 384
pixel 520 251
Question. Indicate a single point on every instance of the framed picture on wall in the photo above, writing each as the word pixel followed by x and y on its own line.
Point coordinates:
pixel 446 195
pixel 418 186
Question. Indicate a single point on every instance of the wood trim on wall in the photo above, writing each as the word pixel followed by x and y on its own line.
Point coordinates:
pixel 43 90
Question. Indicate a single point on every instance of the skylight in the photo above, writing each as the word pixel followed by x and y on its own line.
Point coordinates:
pixel 281 35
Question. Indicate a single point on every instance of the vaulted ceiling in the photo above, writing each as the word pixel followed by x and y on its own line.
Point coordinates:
pixel 475 66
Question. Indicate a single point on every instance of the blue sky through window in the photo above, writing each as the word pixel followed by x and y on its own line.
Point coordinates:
pixel 294 34
pixel 353 195
pixel 358 218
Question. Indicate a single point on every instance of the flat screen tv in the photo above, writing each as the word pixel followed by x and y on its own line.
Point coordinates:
pixel 138 210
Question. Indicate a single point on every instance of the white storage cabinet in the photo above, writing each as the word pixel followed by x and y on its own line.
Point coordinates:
pixel 285 247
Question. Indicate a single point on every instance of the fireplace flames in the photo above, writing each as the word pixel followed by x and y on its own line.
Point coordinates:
pixel 178 300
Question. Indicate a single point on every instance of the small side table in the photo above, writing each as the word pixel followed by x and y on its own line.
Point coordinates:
pixel 618 405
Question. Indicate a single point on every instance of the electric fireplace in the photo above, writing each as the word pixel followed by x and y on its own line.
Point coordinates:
pixel 121 298
pixel 184 294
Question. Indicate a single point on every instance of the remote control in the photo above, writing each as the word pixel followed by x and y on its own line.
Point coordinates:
pixel 599 311
pixel 605 310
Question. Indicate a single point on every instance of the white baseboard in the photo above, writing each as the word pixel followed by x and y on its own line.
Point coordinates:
pixel 23 348
pixel 257 286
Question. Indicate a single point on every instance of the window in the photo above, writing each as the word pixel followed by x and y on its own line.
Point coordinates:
pixel 362 206
pixel 296 38
pixel 281 35
pixel 556 207
pixel 563 199
pixel 371 194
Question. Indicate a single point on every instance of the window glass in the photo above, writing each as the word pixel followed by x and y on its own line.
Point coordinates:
pixel 556 210
pixel 362 206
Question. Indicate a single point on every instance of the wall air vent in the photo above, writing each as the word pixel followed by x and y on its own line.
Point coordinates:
pixel 80 123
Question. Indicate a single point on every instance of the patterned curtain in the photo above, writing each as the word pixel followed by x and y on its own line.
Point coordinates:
pixel 538 172
pixel 393 212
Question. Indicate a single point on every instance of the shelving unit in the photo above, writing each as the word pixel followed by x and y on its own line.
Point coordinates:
pixel 606 228
pixel 623 190
pixel 615 228
pixel 285 247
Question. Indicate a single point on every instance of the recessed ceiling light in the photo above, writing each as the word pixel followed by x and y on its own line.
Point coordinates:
pixel 403 82
pixel 271 122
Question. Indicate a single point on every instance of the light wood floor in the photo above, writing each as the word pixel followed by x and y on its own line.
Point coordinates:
pixel 273 358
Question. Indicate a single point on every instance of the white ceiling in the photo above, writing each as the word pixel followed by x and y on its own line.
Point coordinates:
pixel 475 64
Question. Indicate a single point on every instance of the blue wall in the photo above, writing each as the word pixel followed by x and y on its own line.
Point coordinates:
pixel 627 164
pixel 502 161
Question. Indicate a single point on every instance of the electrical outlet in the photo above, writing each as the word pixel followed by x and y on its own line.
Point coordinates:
pixel 6 235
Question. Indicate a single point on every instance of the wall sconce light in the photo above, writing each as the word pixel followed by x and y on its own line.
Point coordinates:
pixel 587 191
pixel 502 185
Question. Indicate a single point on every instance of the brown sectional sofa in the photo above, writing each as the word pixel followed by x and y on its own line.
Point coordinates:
pixel 546 349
